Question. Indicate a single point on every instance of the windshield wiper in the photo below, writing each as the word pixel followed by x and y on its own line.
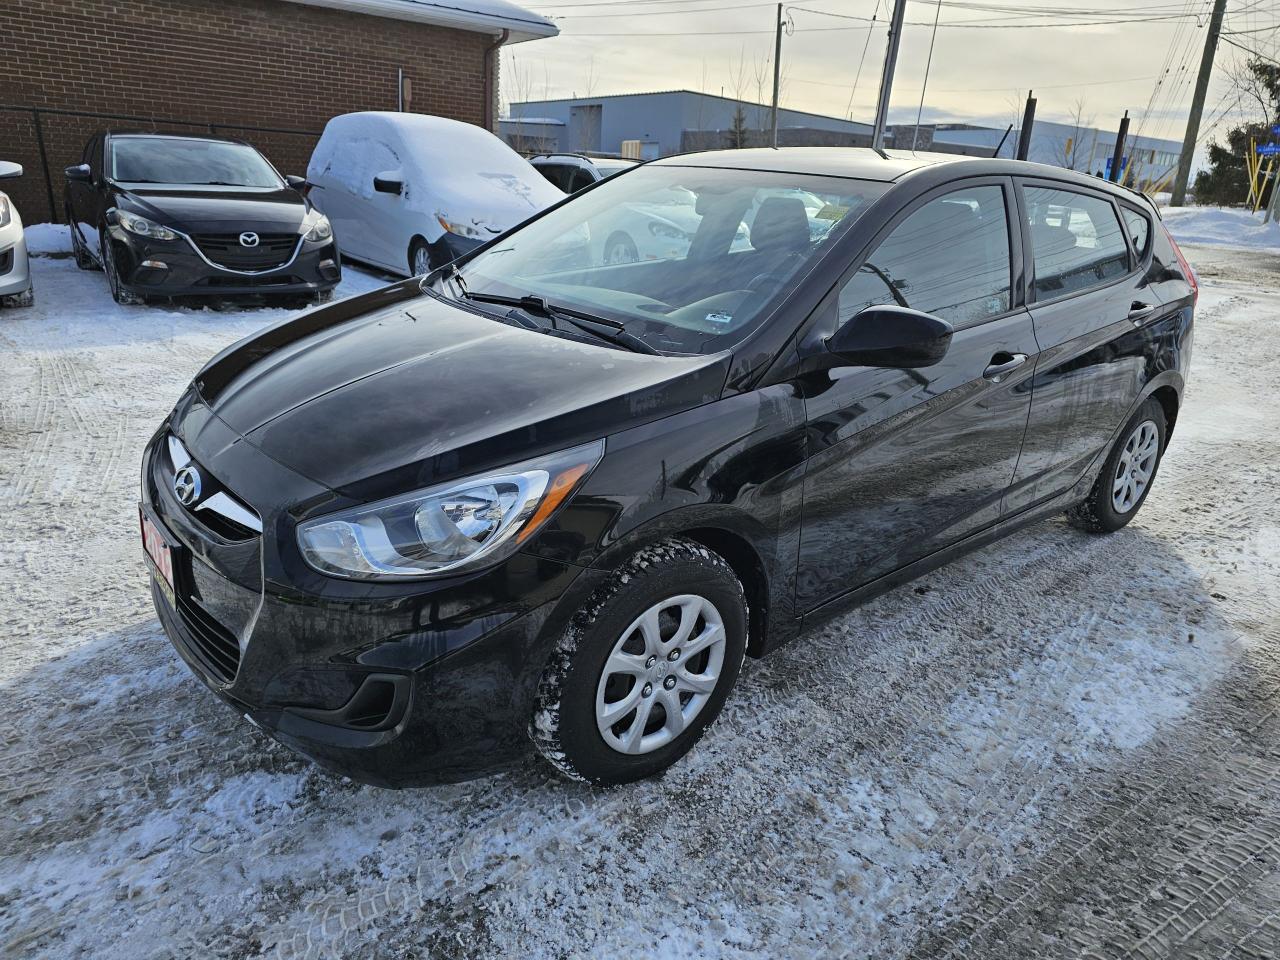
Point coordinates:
pixel 601 327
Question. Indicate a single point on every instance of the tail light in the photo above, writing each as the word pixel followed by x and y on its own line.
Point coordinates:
pixel 1187 272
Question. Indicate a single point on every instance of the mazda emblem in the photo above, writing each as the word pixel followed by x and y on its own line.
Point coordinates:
pixel 186 485
pixel 248 239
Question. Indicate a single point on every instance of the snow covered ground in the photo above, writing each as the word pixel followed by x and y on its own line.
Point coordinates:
pixel 1222 226
pixel 1060 746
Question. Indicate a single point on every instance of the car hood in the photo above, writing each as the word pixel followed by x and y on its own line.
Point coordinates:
pixel 395 390
pixel 216 209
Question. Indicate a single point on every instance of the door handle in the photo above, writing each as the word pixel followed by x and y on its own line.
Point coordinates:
pixel 1000 366
pixel 1139 311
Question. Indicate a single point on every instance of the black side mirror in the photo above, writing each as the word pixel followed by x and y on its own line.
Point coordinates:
pixel 297 183
pixel 388 186
pixel 80 173
pixel 896 337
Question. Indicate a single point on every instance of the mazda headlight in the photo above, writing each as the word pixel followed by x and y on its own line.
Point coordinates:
pixel 6 212
pixel 144 227
pixel 316 227
pixel 447 528
pixel 461 229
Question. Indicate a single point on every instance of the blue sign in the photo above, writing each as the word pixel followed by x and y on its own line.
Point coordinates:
pixel 1276 129
pixel 1268 149
pixel 1124 162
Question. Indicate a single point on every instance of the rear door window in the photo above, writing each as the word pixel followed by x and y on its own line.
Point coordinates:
pixel 950 258
pixel 1076 241
pixel 581 179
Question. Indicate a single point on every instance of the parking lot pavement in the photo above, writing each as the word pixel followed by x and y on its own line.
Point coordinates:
pixel 1061 746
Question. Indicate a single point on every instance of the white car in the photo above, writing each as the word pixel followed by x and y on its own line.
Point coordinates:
pixel 572 172
pixel 15 272
pixel 409 192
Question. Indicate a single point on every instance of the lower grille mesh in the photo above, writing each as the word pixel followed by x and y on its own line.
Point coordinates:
pixel 215 645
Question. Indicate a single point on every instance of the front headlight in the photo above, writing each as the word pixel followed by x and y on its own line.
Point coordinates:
pixel 661 229
pixel 447 528
pixel 461 229
pixel 315 227
pixel 6 212
pixel 144 227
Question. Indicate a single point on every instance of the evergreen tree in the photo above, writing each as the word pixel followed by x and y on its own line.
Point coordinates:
pixel 736 135
pixel 1226 181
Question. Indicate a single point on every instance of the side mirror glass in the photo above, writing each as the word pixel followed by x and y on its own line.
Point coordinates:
pixel 80 173
pixel 888 336
pixel 389 182
pixel 9 170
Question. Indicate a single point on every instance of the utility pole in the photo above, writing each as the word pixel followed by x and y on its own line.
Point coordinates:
pixel 777 73
pixel 1117 158
pixel 886 78
pixel 1179 197
pixel 1028 125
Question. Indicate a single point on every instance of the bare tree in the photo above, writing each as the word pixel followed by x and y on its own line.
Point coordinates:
pixel 1071 152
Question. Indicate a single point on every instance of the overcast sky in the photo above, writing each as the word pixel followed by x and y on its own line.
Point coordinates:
pixel 978 70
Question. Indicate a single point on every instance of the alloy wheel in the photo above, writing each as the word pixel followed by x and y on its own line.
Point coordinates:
pixel 660 674
pixel 1136 465
pixel 421 261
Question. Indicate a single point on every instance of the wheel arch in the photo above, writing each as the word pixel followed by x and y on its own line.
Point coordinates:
pixel 1171 401
pixel 749 568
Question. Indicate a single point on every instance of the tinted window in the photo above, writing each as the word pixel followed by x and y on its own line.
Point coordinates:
pixel 1139 230
pixel 557 174
pixel 198 162
pixel 581 179
pixel 1076 239
pixel 950 258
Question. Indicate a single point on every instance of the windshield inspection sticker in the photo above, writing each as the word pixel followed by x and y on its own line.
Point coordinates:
pixel 720 318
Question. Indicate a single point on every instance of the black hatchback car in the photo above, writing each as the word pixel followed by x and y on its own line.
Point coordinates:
pixel 169 216
pixel 537 495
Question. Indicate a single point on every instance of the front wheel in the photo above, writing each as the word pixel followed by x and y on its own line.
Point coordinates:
pixel 1127 475
pixel 419 259
pixel 119 294
pixel 644 667
pixel 620 249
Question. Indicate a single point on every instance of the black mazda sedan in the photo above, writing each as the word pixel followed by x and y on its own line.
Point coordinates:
pixel 169 216
pixel 538 495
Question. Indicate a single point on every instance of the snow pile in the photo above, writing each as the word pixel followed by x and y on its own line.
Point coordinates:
pixel 43 238
pixel 1223 226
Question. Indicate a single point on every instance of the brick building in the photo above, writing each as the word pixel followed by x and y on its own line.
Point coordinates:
pixel 268 71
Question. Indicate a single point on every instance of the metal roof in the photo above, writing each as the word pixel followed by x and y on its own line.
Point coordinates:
pixel 481 16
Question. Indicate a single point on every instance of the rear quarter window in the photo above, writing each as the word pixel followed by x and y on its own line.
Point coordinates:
pixel 1139 227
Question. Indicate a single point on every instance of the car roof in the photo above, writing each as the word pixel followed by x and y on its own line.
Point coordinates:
pixel 887 166
pixel 146 135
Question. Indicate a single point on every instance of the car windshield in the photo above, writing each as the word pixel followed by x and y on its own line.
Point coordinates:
pixel 189 162
pixel 690 259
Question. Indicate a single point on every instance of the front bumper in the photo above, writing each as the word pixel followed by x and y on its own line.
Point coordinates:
pixel 15 269
pixel 174 268
pixel 391 684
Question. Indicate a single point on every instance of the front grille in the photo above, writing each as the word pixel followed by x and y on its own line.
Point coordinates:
pixel 216 647
pixel 225 249
pixel 6 261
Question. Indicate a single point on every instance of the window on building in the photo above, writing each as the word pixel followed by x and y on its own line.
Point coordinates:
pixel 1076 240
pixel 950 258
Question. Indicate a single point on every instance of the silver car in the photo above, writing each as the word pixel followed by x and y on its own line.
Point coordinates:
pixel 15 272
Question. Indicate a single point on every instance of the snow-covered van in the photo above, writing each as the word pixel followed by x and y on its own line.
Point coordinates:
pixel 409 192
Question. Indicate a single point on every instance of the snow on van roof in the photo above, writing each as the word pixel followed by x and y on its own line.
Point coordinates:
pixel 451 169
pixel 483 16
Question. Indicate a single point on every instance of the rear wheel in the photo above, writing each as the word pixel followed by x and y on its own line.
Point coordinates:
pixel 1127 475
pixel 84 259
